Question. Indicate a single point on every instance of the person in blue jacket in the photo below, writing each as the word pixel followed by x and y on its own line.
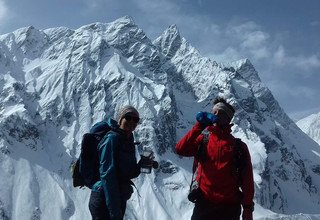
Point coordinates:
pixel 118 165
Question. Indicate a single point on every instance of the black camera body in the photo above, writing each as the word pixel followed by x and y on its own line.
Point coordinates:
pixel 194 195
pixel 147 161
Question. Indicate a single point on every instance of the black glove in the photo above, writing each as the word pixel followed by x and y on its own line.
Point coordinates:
pixel 148 162
pixel 145 161
pixel 155 165
pixel 206 118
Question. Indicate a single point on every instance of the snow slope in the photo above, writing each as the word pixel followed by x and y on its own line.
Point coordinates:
pixel 56 83
pixel 311 126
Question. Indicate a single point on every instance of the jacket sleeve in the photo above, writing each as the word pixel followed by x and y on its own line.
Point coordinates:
pixel 108 176
pixel 129 168
pixel 247 180
pixel 130 172
pixel 188 145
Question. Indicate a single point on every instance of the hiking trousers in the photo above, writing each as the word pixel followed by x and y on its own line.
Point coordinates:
pixel 205 210
pixel 98 207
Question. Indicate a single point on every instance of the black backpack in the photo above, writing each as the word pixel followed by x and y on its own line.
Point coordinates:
pixel 85 171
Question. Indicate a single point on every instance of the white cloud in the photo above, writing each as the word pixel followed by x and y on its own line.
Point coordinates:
pixel 242 30
pixel 293 91
pixel 280 58
pixel 229 54
pixel 256 43
pixel 255 39
pixel 297 115
pixel 162 6
pixel 297 91
pixel 312 61
pixel 245 40
pixel 251 40
pixel 3 11
pixel 212 29
pixel 94 5
pixel 315 23
pixel 248 40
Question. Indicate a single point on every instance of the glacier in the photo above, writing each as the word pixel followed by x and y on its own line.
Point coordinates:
pixel 56 83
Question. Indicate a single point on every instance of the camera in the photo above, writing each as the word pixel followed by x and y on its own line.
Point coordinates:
pixel 194 195
pixel 147 162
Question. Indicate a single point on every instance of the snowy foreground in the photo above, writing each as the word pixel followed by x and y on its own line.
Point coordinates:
pixel 56 83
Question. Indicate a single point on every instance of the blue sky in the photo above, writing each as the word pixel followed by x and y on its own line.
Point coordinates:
pixel 280 37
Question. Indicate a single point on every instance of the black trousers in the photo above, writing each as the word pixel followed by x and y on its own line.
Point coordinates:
pixel 204 210
pixel 98 207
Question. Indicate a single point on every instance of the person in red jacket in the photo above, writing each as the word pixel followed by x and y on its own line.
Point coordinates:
pixel 221 191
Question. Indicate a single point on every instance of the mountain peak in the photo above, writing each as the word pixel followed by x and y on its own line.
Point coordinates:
pixel 29 40
pixel 246 69
pixel 242 63
pixel 172 30
pixel 169 42
pixel 126 19
pixel 311 126
pixel 25 32
pixel 123 21
pixel 59 82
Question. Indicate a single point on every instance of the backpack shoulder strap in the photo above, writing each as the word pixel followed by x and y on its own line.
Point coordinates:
pixel 202 148
pixel 240 159
pixel 201 154
pixel 201 151
pixel 206 135
pixel 238 146
pixel 239 151
pixel 104 134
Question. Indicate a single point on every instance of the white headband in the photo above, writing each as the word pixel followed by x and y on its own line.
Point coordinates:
pixel 223 107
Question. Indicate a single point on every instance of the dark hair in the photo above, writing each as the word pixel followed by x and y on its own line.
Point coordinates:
pixel 220 99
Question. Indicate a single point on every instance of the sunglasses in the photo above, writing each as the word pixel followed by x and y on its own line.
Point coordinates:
pixel 132 118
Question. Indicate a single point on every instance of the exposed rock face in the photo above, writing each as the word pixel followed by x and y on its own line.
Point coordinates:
pixel 56 83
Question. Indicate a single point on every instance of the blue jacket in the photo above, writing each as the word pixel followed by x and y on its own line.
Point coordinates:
pixel 118 165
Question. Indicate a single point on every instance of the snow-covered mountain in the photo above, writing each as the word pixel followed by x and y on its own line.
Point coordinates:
pixel 56 83
pixel 311 126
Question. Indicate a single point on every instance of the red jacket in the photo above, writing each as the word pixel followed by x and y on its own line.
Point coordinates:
pixel 216 177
